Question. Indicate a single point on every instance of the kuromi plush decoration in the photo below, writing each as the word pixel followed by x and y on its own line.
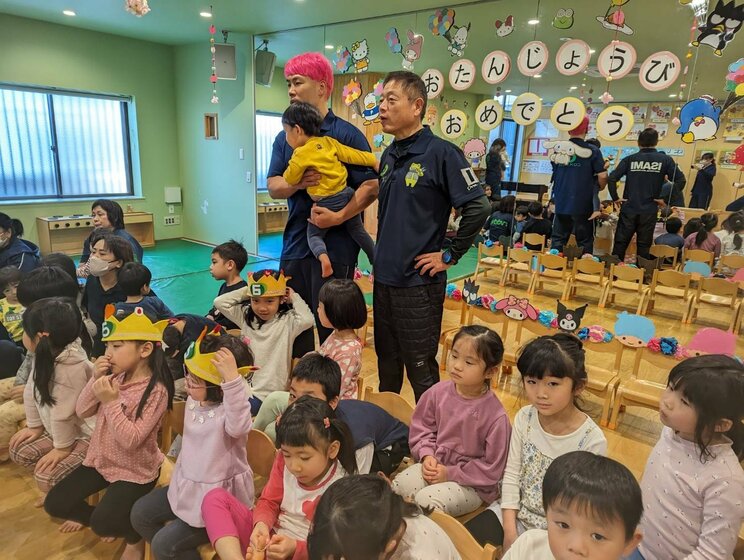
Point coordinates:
pixel 470 292
pixel 634 330
pixel 569 320
pixel 517 309
pixel 564 152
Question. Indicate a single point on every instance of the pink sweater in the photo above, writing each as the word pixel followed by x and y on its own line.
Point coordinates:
pixel 123 447
pixel 468 436
pixel 712 243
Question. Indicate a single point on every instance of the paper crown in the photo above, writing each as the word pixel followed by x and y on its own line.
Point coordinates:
pixel 263 283
pixel 135 326
pixel 201 365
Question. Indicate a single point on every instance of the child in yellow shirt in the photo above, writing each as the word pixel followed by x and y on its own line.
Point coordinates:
pixel 301 122
pixel 11 310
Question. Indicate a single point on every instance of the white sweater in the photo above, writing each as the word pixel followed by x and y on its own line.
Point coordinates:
pixel 272 343
pixel 424 539
pixel 531 545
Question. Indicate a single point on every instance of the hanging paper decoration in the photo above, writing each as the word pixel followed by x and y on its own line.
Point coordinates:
pixel 569 320
pixel 710 340
pixel 606 98
pixel 573 57
pixel 533 58
pixel 393 41
pixel 564 19
pixel 360 56
pixel 659 71
pixel 516 308
pixel 614 123
pixel 489 114
pixel 470 292
pixel 462 74
pixel 458 40
pixel 496 67
pixel 694 267
pixel 434 82
pixel 213 76
pixel 526 108
pixel 722 25
pixel 699 120
pixel 341 60
pixel 616 60
pixel 614 18
pixel 453 123
pixel 442 24
pixel 432 115
pixel 351 93
pixel 567 113
pixel 504 28
pixel 371 111
pixel 565 152
pixel 734 83
pixel 412 50
pixel 634 330
pixel 474 150
pixel 137 7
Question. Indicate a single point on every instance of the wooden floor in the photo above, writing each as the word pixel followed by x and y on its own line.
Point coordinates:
pixel 28 533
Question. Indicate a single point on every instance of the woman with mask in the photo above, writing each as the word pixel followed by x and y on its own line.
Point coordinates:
pixel 14 251
pixel 702 190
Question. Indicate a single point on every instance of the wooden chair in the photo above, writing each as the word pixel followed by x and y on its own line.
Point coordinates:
pixel 551 269
pixel 392 403
pixel 464 542
pixel 639 390
pixel 665 252
pixel 716 291
pixel 624 278
pixel 488 258
pixel 261 454
pixel 535 239
pixel 670 284
pixel 172 425
pixel 603 381
pixel 697 255
pixel 448 335
pixel 585 271
pixel 729 264
pixel 518 261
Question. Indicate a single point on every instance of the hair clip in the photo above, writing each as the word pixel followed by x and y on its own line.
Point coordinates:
pixel 326 422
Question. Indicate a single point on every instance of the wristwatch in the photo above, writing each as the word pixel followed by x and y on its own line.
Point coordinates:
pixel 447 258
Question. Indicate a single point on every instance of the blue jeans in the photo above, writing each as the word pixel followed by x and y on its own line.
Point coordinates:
pixel 635 555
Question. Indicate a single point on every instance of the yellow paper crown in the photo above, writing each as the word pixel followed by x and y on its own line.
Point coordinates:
pixel 263 284
pixel 135 326
pixel 201 365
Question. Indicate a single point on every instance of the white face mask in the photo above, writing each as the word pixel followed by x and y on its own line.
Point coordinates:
pixel 97 266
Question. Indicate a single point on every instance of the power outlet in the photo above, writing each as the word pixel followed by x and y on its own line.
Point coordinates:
pixel 172 220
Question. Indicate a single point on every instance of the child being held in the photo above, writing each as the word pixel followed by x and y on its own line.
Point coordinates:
pixel 134 280
pixel 360 518
pixel 605 227
pixel 301 122
pixel 593 506
pixel 459 431
pixel 11 310
pixel 228 261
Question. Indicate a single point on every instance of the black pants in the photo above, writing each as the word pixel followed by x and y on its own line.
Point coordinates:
pixel 566 224
pixel 700 199
pixel 110 518
pixel 306 280
pixel 486 528
pixel 407 326
pixel 642 225
pixel 388 460
pixel 11 358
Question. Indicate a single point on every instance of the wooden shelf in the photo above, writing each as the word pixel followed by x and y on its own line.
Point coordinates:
pixel 272 217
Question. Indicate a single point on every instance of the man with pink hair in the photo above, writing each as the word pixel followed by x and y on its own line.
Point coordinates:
pixel 310 80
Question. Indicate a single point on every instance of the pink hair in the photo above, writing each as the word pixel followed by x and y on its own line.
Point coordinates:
pixel 311 65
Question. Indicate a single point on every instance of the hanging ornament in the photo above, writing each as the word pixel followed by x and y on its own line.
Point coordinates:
pixel 137 7
pixel 213 50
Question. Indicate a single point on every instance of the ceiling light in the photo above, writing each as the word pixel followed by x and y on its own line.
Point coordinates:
pixel 69 13
pixel 672 95
pixel 592 51
pixel 533 21
pixel 573 88
pixel 507 90
pixel 537 76
pixel 329 47
pixel 205 14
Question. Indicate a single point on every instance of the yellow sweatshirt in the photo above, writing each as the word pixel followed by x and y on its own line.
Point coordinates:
pixel 11 316
pixel 326 155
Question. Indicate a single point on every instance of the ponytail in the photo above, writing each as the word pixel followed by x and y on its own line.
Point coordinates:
pixel 702 235
pixel 44 357
pixel 736 435
pixel 707 222
pixel 16 227
pixel 159 373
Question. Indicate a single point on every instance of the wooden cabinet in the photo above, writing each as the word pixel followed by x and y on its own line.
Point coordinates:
pixel 272 217
pixel 66 234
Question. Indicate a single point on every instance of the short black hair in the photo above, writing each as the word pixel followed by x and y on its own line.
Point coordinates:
pixel 44 282
pixel 559 355
pixel 535 209
pixel 648 138
pixel 412 84
pixel 9 275
pixel 673 225
pixel 133 277
pixel 305 116
pixel 232 251
pixel 113 211
pixel 522 210
pixel 343 303
pixel 601 487
pixel 62 261
pixel 316 368
pixel 507 204
pixel 708 155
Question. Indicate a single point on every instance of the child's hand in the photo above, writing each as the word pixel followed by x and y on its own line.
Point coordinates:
pixel 440 476
pixel 429 467
pixel 260 538
pixel 225 363
pixel 105 390
pixel 103 367
pixel 49 461
pixel 26 435
pixel 290 294
pixel 281 547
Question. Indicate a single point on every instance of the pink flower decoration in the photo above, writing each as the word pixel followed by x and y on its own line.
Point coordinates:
pixel 457 295
pixel 486 300
pixel 606 98
pixel 654 344
pixel 676 121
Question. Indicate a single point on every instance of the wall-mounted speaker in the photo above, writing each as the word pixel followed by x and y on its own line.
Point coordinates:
pixel 265 61
pixel 224 59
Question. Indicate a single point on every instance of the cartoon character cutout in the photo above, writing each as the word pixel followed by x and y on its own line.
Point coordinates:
pixel 614 18
pixel 475 150
pixel 564 19
pixel 634 330
pixel 360 56
pixel 739 156
pixel 470 292
pixel 569 320
pixel 415 171
pixel 341 60
pixel 458 40
pixel 516 308
pixel 412 51
pixel 723 23
pixel 442 24
pixel 565 152
pixel 699 119
pixel 432 115
pixel 710 340
pixel 371 111
pixel 504 28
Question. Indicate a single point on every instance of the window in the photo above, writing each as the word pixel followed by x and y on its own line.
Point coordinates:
pixel 513 136
pixel 63 145
pixel 268 125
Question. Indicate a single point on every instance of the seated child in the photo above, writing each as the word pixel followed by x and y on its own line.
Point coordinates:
pixel 181 332
pixel 732 235
pixel 704 238
pixel 501 221
pixel 536 224
pixel 314 451
pixel 213 453
pixel 360 518
pixel 520 218
pixel 605 227
pixel 228 261
pixel 301 122
pixel 11 310
pixel 134 280
pixel 672 238
pixel 380 441
pixel 593 505
pixel 460 431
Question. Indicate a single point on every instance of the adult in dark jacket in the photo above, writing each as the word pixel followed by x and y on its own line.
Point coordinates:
pixel 645 172
pixel 495 166
pixel 702 189
pixel 107 214
pixel 15 251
